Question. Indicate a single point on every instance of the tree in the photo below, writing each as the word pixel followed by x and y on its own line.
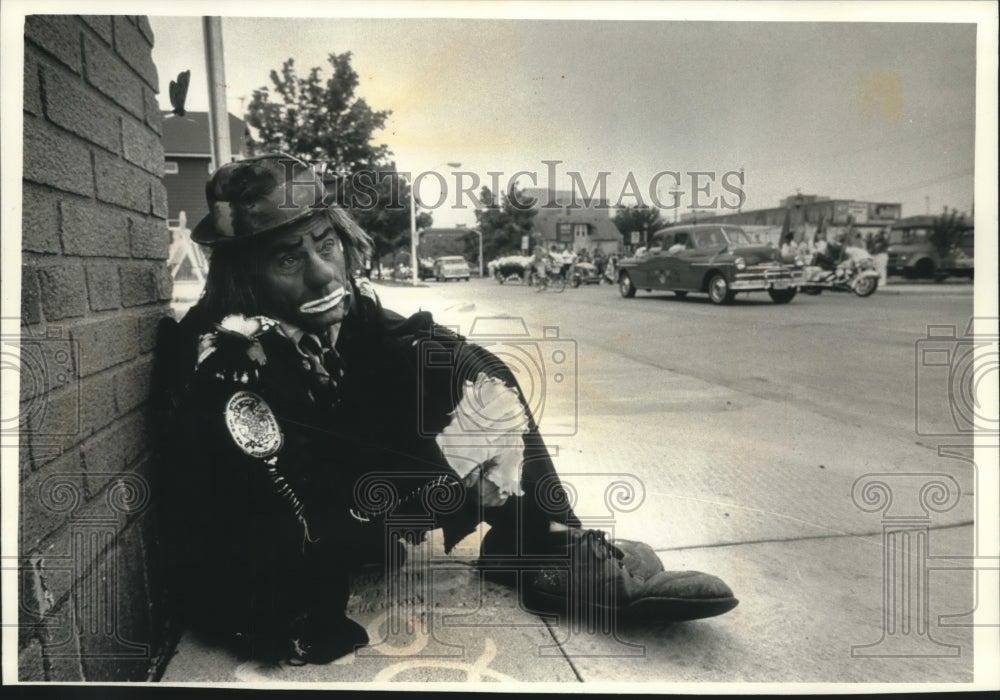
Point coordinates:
pixel 324 123
pixel 504 223
pixel 639 218
pixel 947 230
pixel 327 124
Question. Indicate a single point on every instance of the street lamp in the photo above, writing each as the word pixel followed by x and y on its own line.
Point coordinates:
pixel 414 263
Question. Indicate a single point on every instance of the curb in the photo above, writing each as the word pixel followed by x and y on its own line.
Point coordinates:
pixel 927 289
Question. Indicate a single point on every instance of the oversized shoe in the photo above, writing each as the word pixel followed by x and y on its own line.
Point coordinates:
pixel 586 576
pixel 322 639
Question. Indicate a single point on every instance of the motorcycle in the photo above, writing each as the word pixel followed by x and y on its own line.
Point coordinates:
pixel 857 273
pixel 584 273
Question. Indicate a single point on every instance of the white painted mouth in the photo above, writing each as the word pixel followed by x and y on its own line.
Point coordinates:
pixel 319 306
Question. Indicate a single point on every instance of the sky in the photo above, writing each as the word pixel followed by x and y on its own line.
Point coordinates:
pixel 861 110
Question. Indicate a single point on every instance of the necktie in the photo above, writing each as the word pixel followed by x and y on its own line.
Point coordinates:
pixel 323 381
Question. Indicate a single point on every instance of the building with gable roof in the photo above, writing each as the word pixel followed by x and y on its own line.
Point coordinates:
pixel 565 219
pixel 187 152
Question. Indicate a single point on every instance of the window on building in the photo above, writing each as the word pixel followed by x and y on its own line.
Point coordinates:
pixel 170 167
pixel 580 230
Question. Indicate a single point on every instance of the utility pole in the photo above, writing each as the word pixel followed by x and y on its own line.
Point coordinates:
pixel 218 113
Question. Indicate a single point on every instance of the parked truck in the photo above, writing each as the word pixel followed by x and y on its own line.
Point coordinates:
pixel 914 252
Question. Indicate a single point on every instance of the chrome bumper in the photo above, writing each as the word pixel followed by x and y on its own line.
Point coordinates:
pixel 770 278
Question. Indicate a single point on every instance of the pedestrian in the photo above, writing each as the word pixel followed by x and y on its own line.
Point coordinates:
pixel 540 261
pixel 600 261
pixel 611 268
pixel 789 248
pixel 820 249
pixel 302 417
pixel 880 252
pixel 566 260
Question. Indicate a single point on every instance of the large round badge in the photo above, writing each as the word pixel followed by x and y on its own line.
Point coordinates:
pixel 253 425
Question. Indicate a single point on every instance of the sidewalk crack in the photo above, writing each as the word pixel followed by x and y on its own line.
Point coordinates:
pixel 576 672
pixel 803 538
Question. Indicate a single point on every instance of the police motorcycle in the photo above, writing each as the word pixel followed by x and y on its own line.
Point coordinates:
pixel 852 270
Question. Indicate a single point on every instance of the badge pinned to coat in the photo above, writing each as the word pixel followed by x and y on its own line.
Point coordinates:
pixel 252 425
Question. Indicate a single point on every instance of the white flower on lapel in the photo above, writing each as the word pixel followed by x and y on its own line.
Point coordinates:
pixel 240 331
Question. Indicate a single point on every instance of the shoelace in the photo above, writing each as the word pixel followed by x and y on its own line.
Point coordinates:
pixel 602 545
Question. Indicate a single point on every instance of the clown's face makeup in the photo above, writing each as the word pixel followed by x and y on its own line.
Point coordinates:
pixel 302 276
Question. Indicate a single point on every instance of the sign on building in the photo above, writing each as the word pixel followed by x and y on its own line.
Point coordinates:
pixel 858 211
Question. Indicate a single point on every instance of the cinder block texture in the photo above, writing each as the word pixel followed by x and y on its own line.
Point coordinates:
pixel 94 283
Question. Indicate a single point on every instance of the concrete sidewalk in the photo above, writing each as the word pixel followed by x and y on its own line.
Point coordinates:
pixel 820 602
pixel 806 607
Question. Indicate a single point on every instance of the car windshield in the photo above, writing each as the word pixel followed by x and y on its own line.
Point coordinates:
pixel 452 261
pixel 739 237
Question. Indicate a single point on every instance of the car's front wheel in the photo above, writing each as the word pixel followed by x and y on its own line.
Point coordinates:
pixel 625 286
pixel 782 296
pixel 719 291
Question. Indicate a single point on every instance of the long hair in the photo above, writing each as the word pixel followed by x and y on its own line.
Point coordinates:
pixel 231 284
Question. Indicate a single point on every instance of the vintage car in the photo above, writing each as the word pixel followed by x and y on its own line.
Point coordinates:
pixel 510 268
pixel 451 267
pixel 426 268
pixel 717 259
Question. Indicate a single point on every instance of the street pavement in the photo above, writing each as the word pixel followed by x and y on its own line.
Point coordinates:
pixel 776 446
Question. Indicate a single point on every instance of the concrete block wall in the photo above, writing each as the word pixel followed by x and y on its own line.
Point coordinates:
pixel 94 284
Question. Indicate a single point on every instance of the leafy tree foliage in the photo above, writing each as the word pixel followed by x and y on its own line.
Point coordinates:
pixel 504 222
pixel 947 230
pixel 640 218
pixel 326 123
pixel 322 122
